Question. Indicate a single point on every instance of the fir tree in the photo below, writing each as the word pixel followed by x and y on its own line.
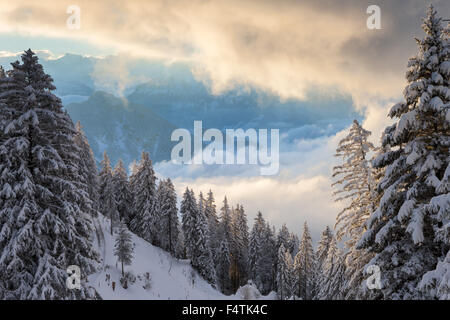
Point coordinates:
pixel 409 230
pixel 88 168
pixel 225 221
pixel 122 192
pixel 123 248
pixel 144 188
pixel 304 265
pixel 293 244
pixel 239 247
pixel 321 255
pixel 255 250
pixel 168 211
pixel 333 277
pixel 108 205
pixel 284 274
pixel 223 265
pixel 213 225
pixel 45 210
pixel 196 239
pixel 356 182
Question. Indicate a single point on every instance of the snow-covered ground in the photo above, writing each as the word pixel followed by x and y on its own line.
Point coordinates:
pixel 171 278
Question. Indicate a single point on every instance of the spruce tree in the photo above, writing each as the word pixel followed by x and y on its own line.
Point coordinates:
pixel 223 266
pixel 304 265
pixel 45 210
pixel 122 192
pixel 123 248
pixel 213 225
pixel 409 230
pixel 284 274
pixel 321 255
pixel 357 188
pixel 195 229
pixel 144 188
pixel 107 197
pixel 168 222
pixel 225 221
pixel 255 249
pixel 333 277
pixel 88 168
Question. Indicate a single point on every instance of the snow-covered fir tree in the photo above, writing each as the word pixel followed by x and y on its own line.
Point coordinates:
pixel 133 168
pixel 321 255
pixel 239 252
pixel 284 274
pixel 196 237
pixel 283 236
pixel 333 276
pixel 409 231
pixel 304 267
pixel 293 244
pixel 255 249
pixel 224 233
pixel 88 168
pixel 225 221
pixel 45 213
pixel 144 188
pixel 213 225
pixel 356 184
pixel 323 246
pixel 223 266
pixel 168 212
pixel 107 196
pixel 123 248
pixel 262 254
pixel 122 192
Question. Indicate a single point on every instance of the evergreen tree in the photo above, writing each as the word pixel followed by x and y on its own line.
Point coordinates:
pixel 132 184
pixel 239 247
pixel 304 265
pixel 168 212
pixel 333 277
pixel 283 236
pixel 323 246
pixel 122 192
pixel 108 205
pixel 321 255
pixel 223 266
pixel 144 188
pixel 225 221
pixel 196 239
pixel 356 182
pixel 45 220
pixel 255 249
pixel 409 230
pixel 88 168
pixel 284 274
pixel 123 248
pixel 293 244
pixel 269 259
pixel 213 225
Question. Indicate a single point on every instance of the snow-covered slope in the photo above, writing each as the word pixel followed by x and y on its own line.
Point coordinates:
pixel 170 278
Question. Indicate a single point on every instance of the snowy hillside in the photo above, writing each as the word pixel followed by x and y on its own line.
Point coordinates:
pixel 170 278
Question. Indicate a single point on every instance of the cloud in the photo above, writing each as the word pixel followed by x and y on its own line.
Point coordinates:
pixel 112 74
pixel 280 46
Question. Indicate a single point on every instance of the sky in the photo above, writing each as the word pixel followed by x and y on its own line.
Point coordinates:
pixel 284 47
